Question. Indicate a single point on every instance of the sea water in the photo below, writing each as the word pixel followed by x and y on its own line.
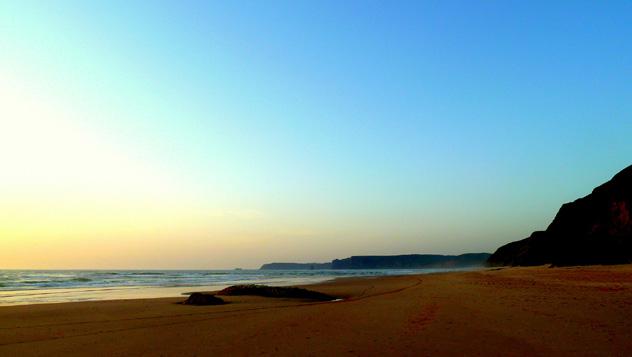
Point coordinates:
pixel 19 287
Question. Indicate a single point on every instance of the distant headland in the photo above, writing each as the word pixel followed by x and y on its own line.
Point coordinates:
pixel 596 229
pixel 409 261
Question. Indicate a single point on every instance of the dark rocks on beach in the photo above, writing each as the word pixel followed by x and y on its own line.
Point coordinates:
pixel 596 229
pixel 203 299
pixel 275 292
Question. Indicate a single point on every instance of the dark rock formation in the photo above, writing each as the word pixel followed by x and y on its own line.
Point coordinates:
pixel 203 299
pixel 411 261
pixel 296 266
pixel 275 292
pixel 596 229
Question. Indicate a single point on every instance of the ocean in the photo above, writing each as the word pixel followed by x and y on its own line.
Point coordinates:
pixel 20 287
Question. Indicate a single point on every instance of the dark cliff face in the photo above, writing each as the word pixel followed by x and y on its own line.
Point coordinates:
pixel 596 229
pixel 411 261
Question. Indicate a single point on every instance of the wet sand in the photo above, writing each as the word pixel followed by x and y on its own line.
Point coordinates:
pixel 505 312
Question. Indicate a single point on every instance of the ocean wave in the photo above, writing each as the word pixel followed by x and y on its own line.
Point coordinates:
pixel 81 279
pixel 145 273
pixel 105 273
pixel 54 281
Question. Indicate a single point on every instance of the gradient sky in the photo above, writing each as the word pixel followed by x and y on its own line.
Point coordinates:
pixel 229 134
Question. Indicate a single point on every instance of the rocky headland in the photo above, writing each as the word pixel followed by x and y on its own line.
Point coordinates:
pixel 596 229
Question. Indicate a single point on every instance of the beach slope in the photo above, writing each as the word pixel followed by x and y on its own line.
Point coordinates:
pixel 502 312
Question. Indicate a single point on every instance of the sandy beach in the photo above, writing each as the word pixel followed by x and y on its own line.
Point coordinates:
pixel 502 312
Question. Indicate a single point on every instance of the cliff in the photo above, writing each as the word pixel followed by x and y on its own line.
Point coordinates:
pixel 411 261
pixel 596 229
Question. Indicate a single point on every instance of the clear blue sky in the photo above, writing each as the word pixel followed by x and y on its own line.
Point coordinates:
pixel 305 130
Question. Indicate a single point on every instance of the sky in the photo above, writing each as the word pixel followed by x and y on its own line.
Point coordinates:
pixel 222 134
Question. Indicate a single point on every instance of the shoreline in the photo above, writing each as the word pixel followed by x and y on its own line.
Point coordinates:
pixel 511 311
pixel 61 295
pixel 114 293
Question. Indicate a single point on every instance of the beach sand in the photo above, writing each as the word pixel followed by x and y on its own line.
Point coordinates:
pixel 501 312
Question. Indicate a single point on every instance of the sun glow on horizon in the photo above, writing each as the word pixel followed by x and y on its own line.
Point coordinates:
pixel 224 134
pixel 76 198
pixel 69 191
